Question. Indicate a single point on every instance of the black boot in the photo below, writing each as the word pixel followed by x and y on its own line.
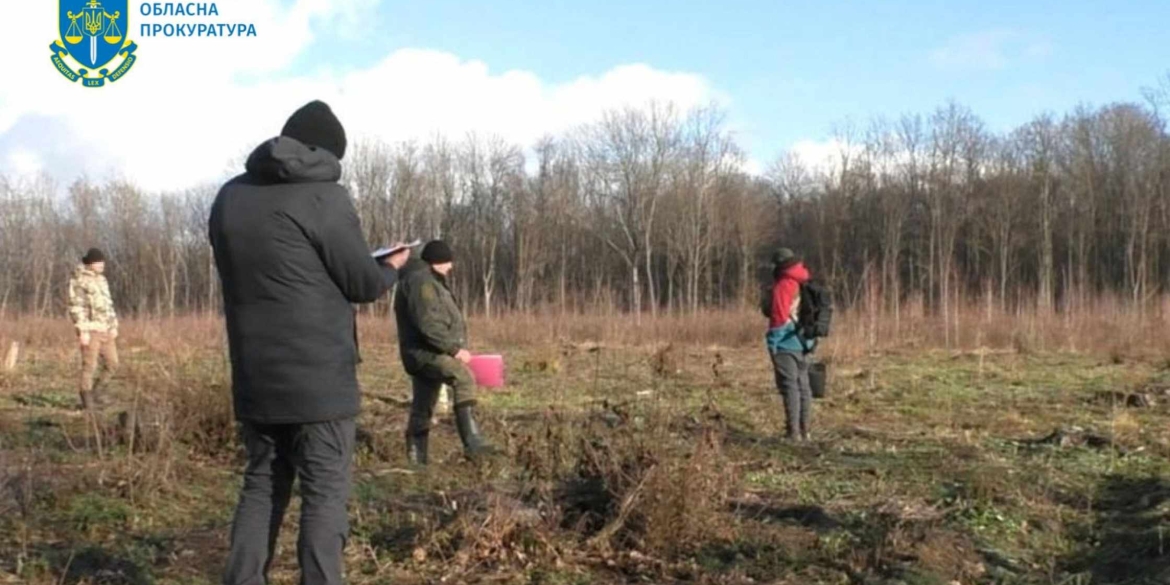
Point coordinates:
pixel 473 442
pixel 416 449
pixel 417 432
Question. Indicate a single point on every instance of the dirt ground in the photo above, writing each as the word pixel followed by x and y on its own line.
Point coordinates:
pixel 655 464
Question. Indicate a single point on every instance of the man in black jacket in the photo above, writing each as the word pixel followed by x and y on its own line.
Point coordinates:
pixel 292 260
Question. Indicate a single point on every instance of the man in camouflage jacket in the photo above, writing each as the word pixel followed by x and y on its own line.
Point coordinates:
pixel 91 308
pixel 432 340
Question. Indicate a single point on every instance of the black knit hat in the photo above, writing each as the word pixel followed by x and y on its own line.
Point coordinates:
pixel 437 252
pixel 93 256
pixel 315 125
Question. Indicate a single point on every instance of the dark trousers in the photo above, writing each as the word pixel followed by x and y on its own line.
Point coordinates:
pixel 320 454
pixel 424 396
pixel 792 381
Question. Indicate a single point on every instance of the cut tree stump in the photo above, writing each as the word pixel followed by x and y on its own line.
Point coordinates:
pixel 12 356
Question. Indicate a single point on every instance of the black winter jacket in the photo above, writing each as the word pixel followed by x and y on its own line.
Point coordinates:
pixel 292 260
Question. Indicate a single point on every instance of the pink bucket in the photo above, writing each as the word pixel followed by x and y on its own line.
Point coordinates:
pixel 488 370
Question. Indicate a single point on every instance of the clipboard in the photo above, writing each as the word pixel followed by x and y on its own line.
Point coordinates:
pixel 384 252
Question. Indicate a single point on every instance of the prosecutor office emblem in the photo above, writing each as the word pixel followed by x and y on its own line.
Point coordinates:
pixel 93 35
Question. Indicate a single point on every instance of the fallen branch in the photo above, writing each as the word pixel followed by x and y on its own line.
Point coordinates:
pixel 623 513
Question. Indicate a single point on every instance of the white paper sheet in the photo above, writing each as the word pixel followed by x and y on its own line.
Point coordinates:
pixel 383 252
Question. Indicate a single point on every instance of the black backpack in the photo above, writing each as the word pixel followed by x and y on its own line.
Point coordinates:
pixel 816 311
pixel 766 301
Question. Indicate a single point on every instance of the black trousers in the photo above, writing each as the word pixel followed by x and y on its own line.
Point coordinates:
pixel 320 454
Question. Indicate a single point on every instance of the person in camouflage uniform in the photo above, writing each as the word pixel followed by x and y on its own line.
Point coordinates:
pixel 432 341
pixel 91 308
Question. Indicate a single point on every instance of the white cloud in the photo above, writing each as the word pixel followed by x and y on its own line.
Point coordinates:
pixel 823 159
pixel 990 50
pixel 752 166
pixel 183 114
pixel 821 156
pixel 24 162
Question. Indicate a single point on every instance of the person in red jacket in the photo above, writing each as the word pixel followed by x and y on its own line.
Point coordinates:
pixel 787 347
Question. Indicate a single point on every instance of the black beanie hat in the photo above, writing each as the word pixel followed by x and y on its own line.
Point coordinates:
pixel 93 256
pixel 437 252
pixel 315 125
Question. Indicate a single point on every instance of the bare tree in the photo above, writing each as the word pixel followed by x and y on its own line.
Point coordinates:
pixel 628 154
pixel 649 207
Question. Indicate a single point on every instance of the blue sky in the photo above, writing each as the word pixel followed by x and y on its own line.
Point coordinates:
pixel 786 73
pixel 793 69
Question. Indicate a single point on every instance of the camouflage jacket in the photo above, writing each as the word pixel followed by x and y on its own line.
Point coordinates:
pixel 430 322
pixel 90 305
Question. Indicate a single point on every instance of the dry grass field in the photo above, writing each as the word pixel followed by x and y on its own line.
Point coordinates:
pixel 993 448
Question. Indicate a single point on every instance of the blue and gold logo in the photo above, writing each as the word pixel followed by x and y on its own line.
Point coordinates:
pixel 93 34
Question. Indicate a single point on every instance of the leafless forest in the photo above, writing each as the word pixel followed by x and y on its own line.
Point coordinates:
pixel 649 210
pixel 639 417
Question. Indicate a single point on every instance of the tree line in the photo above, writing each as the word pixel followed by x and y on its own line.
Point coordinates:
pixel 650 210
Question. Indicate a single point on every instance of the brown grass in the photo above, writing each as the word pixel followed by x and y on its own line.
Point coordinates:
pixel 1106 326
pixel 639 451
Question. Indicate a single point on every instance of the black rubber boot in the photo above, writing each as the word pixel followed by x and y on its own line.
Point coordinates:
pixel 418 426
pixel 417 432
pixel 416 449
pixel 473 442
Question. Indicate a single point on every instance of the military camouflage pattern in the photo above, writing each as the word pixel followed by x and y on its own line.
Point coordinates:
pixel 90 305
pixel 430 322
pixel 453 373
pixel 431 330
